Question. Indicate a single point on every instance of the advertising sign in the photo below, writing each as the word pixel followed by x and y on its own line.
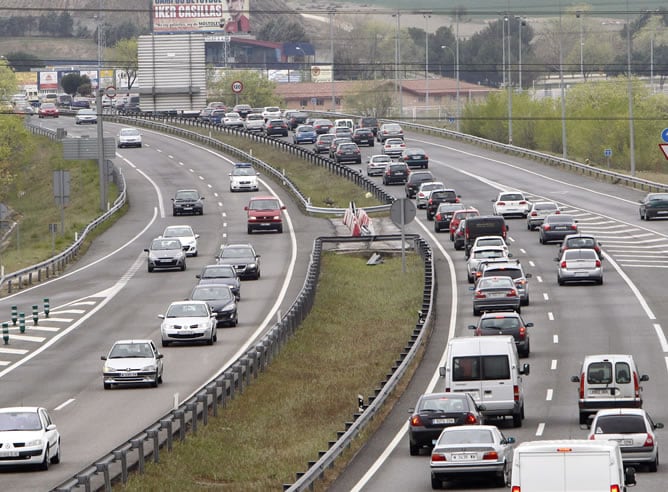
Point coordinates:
pixel 92 76
pixel 184 16
pixel 48 80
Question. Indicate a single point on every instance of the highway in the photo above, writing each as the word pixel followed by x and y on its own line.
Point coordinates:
pixel 96 302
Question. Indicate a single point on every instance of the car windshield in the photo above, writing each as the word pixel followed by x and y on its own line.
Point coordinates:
pixel 19 421
pixel 444 404
pixel 178 232
pixel 468 435
pixel 305 129
pixel 267 204
pixel 187 311
pixel 243 171
pixel 129 132
pixel 218 272
pixel 187 195
pixel 131 350
pixel 236 253
pixel 211 293
pixel 164 244
pixel 620 424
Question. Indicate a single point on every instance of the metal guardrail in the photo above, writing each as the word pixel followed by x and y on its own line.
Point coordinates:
pixel 193 413
pixel 50 267
pixel 161 124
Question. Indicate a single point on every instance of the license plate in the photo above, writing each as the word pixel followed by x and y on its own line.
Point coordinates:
pixel 128 374
pixel 9 454
pixel 464 457
pixel 186 332
pixel 624 442
pixel 495 294
pixel 443 421
pixel 400 174
pixel 599 391
pixel 265 224
pixel 581 274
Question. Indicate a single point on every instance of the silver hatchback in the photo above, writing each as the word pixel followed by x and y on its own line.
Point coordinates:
pixel 579 265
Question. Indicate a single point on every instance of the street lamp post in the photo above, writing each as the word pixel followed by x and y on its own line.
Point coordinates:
pixel 632 149
pixel 578 14
pixel 458 114
pixel 331 52
pixel 521 22
pixel 397 62
pixel 454 67
pixel 561 89
pixel 426 16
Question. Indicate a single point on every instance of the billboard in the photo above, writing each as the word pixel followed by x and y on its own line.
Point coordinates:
pixel 185 16
pixel 48 80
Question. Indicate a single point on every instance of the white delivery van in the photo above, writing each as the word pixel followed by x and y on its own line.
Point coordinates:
pixel 488 368
pixel 576 465
pixel 344 122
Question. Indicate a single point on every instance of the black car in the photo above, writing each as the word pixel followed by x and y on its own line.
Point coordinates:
pixel 581 241
pixel 187 202
pixel 242 257
pixel 243 110
pixel 440 196
pixel 322 143
pixel 654 205
pixel 436 411
pixel 368 122
pixel 396 172
pixel 557 227
pixel 297 118
pixel 348 152
pixel 415 158
pixel 363 136
pixel 220 299
pixel 415 180
pixel 334 144
pixel 275 127
pixel 506 323
pixel 444 214
pixel 221 274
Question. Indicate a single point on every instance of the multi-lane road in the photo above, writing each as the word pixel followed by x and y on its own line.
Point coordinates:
pixel 109 295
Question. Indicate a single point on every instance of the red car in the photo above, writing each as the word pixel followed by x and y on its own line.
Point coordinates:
pixel 264 213
pixel 48 110
pixel 458 216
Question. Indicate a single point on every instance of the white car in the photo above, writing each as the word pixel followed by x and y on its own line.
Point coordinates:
pixel 511 203
pixel 254 122
pixel 244 178
pixel 376 164
pixel 186 235
pixel 129 137
pixel 424 192
pixel 538 212
pixel 132 362
pixel 490 241
pixel 271 112
pixel 84 116
pixel 28 437
pixel 233 120
pixel 393 146
pixel 188 321
pixel 633 429
pixel 483 253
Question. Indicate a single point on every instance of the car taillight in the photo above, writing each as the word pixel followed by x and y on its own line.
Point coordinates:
pixel 636 385
pixel 523 332
pixel 438 457
pixel 557 212
pixel 614 488
pixel 416 421
pixel 516 393
pixel 562 264
pixel 546 227
pixel 430 201
pixel 501 204
pixel 516 488
pixel 522 202
pixel 479 295
pixel 598 263
pixel 490 455
pixel 582 385
pixel 426 156
pixel 470 419
pixel 534 214
pixel 592 437
pixel 649 442
pixel 438 217
pixel 574 227
pixel 511 293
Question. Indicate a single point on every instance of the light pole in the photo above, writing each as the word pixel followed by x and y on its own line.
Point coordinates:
pixel 561 89
pixel 331 52
pixel 397 61
pixel 458 114
pixel 521 22
pixel 454 56
pixel 427 16
pixel 632 149
pixel 578 14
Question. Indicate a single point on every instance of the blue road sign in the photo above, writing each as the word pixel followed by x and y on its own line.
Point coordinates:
pixel 607 152
pixel 664 135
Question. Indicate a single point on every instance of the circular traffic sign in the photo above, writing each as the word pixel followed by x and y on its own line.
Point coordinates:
pixel 237 86
pixel 110 91
pixel 664 135
pixel 402 211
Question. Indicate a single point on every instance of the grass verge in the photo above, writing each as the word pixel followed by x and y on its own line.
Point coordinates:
pixel 344 348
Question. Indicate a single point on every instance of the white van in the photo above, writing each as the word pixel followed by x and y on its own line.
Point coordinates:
pixel 608 381
pixel 488 368
pixel 344 122
pixel 575 465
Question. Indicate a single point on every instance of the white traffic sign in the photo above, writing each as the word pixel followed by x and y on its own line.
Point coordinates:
pixel 110 92
pixel 237 86
pixel 664 149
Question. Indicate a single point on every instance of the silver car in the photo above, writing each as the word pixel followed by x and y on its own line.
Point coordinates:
pixel 375 166
pixel 166 253
pixel 424 192
pixel 132 362
pixel 472 451
pixel 538 212
pixel 495 294
pixel 187 321
pixel 579 265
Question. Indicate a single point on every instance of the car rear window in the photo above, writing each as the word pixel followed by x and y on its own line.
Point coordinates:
pixel 511 197
pixel 620 424
pixel 599 373
pixel 454 403
pixel 467 435
pixel 480 367
pixel 581 242
pixel 560 219
pixel 580 254
pixel 513 273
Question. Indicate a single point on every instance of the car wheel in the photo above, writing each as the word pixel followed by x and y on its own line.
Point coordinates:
pixel 654 465
pixel 542 241
pixel 210 340
pixel 154 383
pixel 414 449
pixel 600 281
pixel 150 269
pixel 519 309
pixel 452 237
pixel 503 479
pixel 647 217
pixel 476 312
pixel 160 379
pixel 517 419
pixel 195 253
pixel 165 343
pixel 174 212
pixel 560 282
pixel 56 459
pixel 250 230
pixel 280 228
pixel 529 228
pixel 45 462
pixel 436 228
pixel 436 483
pixel 107 386
pixel 525 302
pixel 469 277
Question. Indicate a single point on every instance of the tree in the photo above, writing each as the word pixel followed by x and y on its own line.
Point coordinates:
pixel 21 61
pixel 125 56
pixel 8 83
pixel 73 83
pixel 13 134
pixel 258 91
pixel 280 30
pixel 371 98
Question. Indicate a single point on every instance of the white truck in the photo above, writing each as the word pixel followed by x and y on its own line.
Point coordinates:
pixel 575 465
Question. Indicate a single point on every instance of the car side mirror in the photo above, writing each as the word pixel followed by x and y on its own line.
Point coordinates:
pixel 556 259
pixel 198 276
pixel 510 255
pixel 196 236
pixel 411 410
pixel 103 357
pixel 575 379
pixel 644 378
pixel 283 207
pixel 525 369
pixel 507 227
pixel 172 199
pixel 658 425
pixel 472 327
pixel 441 371
pixel 161 316
pixel 529 324
pixel 510 440
pixel 528 275
pixel 146 250
pixel 481 408
pixel 159 356
pixel 471 289
pixel 246 208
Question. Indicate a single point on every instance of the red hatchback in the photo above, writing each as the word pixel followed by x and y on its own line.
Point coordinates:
pixel 48 110
pixel 457 218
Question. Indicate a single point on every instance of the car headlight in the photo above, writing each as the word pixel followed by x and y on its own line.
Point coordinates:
pixel 227 309
pixel 35 442
pixel 150 367
pixel 252 265
pixel 107 368
pixel 277 217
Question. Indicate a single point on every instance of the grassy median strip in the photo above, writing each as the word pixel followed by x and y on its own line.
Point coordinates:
pixel 361 321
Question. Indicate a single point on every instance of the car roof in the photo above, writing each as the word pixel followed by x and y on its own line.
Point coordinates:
pixel 177 303
pixel 500 314
pixel 133 340
pixel 609 357
pixel 620 411
pixel 19 409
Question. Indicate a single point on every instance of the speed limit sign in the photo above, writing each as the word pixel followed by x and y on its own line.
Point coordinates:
pixel 237 86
